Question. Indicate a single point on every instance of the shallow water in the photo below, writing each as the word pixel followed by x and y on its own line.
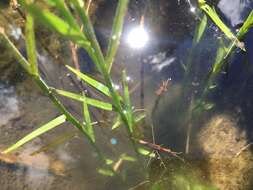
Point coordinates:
pixel 218 146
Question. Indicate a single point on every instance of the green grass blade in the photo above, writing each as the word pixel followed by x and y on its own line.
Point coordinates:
pixel 216 19
pixel 146 152
pixel 86 114
pixel 246 26
pixel 30 44
pixel 94 83
pixel 78 5
pixel 19 57
pixel 90 101
pixel 117 122
pixel 56 142
pixel 105 172
pixel 96 54
pixel 125 157
pixel 139 117
pixel 59 25
pixel 43 129
pixel 65 13
pixel 128 107
pixel 116 33
pixel 218 64
pixel 200 30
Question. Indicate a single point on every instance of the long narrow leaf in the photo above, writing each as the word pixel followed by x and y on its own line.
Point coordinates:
pixel 128 108
pixel 43 129
pixel 56 142
pixel 139 117
pixel 116 32
pixel 19 57
pixel 98 58
pixel 58 24
pixel 221 52
pixel 94 83
pixel 105 172
pixel 95 50
pixel 117 122
pixel 200 30
pixel 216 19
pixel 246 26
pixel 30 44
pixel 86 114
pixel 90 101
pixel 65 13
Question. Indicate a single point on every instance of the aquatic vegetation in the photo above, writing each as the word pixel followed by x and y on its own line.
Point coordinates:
pixel 72 22
pixel 68 27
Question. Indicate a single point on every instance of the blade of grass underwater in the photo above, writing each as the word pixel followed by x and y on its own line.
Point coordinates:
pixel 146 152
pixel 128 108
pixel 117 122
pixel 98 58
pixel 125 157
pixel 116 33
pixel 200 30
pixel 87 119
pixel 43 129
pixel 56 142
pixel 59 25
pixel 216 19
pixel 94 83
pixel 65 13
pixel 221 52
pixel 19 57
pixel 105 172
pixel 90 101
pixel 139 117
pixel 30 44
pixel 246 26
pixel 95 52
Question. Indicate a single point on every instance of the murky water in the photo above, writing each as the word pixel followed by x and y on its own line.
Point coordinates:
pixel 216 145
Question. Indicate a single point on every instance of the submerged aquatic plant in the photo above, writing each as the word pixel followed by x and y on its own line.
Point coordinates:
pixel 68 27
pixel 195 104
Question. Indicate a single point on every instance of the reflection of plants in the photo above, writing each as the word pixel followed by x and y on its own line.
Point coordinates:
pixel 68 27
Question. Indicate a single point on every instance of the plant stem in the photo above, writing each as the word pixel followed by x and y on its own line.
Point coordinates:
pixel 24 63
pixel 30 44
pixel 68 115
pixel 98 58
pixel 116 33
pixel 44 87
